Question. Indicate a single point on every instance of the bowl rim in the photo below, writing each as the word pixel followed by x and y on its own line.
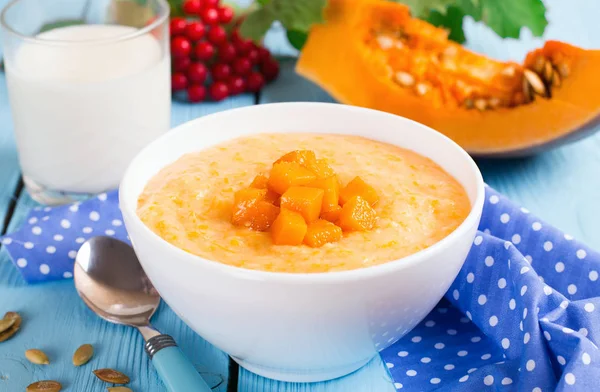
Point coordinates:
pixel 305 277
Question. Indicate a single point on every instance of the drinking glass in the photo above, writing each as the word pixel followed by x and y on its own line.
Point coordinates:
pixel 89 86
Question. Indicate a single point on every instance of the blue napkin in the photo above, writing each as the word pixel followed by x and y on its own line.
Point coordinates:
pixel 523 313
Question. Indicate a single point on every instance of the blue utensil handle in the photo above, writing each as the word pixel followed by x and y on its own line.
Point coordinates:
pixel 175 370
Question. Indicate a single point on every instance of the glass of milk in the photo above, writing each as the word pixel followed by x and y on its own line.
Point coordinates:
pixel 89 86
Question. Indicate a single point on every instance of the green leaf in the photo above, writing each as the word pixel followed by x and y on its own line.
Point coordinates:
pixel 257 23
pixel 452 20
pixel 422 8
pixel 294 15
pixel 507 17
pixel 298 14
pixel 297 38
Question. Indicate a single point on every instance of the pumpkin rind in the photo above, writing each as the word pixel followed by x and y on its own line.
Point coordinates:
pixel 336 57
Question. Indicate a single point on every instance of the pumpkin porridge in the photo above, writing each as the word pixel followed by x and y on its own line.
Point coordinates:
pixel 303 203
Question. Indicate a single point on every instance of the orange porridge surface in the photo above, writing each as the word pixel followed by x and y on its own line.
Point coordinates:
pixel 189 203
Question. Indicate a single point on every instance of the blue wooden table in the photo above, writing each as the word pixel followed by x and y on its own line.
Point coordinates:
pixel 561 186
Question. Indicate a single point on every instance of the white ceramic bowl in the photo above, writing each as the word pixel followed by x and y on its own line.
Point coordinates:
pixel 301 327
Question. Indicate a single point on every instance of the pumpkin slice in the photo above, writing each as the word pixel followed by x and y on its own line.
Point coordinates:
pixel 251 210
pixel 287 174
pixel 357 187
pixel 331 188
pixel 357 215
pixel 408 67
pixel 289 228
pixel 321 232
pixel 303 200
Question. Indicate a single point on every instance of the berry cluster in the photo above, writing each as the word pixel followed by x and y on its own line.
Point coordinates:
pixel 207 60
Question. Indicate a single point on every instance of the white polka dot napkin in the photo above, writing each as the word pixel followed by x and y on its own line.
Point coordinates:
pixel 523 313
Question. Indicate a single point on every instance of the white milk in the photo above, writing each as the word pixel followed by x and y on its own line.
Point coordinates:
pixel 82 111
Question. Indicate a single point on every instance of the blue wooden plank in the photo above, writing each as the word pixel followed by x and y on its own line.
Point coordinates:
pixel 370 378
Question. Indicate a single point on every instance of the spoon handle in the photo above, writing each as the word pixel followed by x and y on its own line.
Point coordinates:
pixel 175 370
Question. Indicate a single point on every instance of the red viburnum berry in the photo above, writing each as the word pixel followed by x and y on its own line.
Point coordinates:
pixel 242 66
pixel 179 81
pixel 270 69
pixel 181 64
pixel 197 73
pixel 211 3
pixel 177 26
pixel 225 14
pixel 219 91
pixel 196 93
pixel 221 71
pixel 204 50
pixel 226 52
pixel 255 82
pixel 237 85
pixel 210 16
pixel 194 31
pixel 192 7
pixel 180 47
pixel 217 35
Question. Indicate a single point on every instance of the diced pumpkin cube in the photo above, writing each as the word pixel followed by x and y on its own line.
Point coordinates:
pixel 249 194
pixel 287 174
pixel 321 168
pixel 259 182
pixel 331 187
pixel 321 232
pixel 289 228
pixel 357 215
pixel 333 215
pixel 272 198
pixel 303 200
pixel 302 157
pixel 357 187
pixel 250 209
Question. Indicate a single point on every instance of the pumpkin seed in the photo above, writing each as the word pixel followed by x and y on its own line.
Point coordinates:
pixel 548 72
pixel 44 386
pixel 37 357
pixel 564 70
pixel 15 325
pixel 535 82
pixel 556 82
pixel 112 376
pixel 6 324
pixel 405 79
pixel 385 42
pixel 480 104
pixel 119 389
pixel 539 64
pixel 422 88
pixel 494 102
pixel 450 51
pixel 83 354
pixel 509 71
pixel 527 91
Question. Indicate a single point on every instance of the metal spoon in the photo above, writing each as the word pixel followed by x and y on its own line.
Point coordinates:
pixel 111 282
